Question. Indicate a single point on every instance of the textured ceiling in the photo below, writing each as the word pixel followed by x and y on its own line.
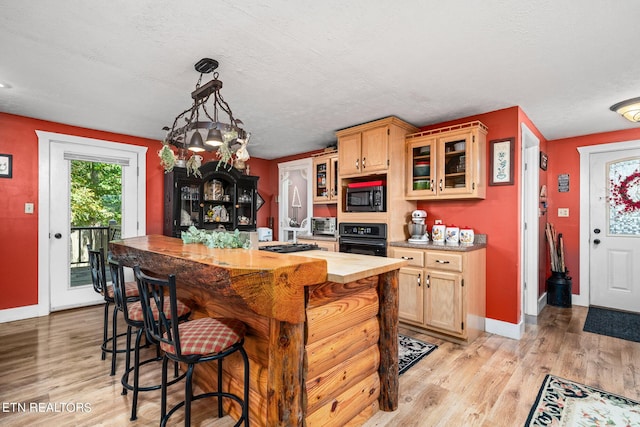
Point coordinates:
pixel 296 71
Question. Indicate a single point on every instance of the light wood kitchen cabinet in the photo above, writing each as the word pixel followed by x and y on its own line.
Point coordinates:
pixel 375 151
pixel 325 184
pixel 447 163
pixel 326 245
pixel 323 244
pixel 365 152
pixel 442 291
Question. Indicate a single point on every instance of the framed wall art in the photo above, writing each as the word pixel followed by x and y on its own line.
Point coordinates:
pixel 544 159
pixel 501 161
pixel 6 165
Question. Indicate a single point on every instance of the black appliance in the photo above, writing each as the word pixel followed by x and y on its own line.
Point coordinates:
pixel 295 247
pixel 366 197
pixel 365 239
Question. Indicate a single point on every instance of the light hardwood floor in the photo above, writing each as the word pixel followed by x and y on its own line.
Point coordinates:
pixel 491 382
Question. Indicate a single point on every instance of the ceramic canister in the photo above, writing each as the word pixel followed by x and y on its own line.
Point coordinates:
pixel 452 235
pixel 437 233
pixel 466 235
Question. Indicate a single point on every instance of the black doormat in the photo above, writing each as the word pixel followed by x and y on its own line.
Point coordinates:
pixel 410 351
pixel 613 323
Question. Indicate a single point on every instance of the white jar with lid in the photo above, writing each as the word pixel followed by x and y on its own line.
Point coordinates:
pixel 467 236
pixel 438 232
pixel 452 235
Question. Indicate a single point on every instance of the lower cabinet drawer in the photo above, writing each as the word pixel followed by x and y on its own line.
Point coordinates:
pixel 449 261
pixel 415 257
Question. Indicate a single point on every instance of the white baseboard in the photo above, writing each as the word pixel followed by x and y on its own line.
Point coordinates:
pixel 580 300
pixel 542 302
pixel 505 329
pixel 19 313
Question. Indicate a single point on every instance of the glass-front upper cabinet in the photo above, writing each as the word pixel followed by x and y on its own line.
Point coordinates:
pixel 245 207
pixel 421 153
pixel 189 204
pixel 325 169
pixel 447 163
pixel 218 209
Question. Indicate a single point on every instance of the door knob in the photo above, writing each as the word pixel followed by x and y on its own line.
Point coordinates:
pixel 58 236
pixel 596 230
pixel 596 241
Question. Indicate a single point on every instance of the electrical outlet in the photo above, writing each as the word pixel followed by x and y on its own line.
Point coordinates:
pixel 563 212
pixel 28 208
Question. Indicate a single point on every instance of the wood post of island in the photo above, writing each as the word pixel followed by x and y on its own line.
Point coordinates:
pixel 322 327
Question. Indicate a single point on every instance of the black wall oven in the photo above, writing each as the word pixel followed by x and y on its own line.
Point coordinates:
pixel 365 239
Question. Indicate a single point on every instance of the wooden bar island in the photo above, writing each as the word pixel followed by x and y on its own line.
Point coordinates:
pixel 322 326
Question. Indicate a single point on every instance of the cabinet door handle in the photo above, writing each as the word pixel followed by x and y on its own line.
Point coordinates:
pixel 419 279
pixel 433 188
pixel 357 163
pixel 428 281
pixel 407 257
pixel 440 185
pixel 364 159
pixel 440 261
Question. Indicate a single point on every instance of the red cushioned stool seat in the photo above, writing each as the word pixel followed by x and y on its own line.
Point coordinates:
pixel 207 335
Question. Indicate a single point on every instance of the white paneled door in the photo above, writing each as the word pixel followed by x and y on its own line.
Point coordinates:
pixel 614 240
pixel 65 247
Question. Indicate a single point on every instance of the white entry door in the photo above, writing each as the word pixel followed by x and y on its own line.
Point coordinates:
pixel 62 150
pixel 614 240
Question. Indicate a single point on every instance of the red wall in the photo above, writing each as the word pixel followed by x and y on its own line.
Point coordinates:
pixel 19 283
pixel 565 159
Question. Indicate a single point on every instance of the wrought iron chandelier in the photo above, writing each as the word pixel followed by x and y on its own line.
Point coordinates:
pixel 204 128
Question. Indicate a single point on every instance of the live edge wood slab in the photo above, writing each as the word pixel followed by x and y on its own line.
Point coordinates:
pixel 322 326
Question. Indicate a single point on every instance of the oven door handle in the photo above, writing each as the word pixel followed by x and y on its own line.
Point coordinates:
pixel 363 241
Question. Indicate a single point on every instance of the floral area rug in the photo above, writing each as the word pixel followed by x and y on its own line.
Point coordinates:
pixel 562 402
pixel 411 351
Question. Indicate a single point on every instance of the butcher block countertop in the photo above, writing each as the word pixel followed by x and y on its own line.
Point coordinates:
pixel 345 267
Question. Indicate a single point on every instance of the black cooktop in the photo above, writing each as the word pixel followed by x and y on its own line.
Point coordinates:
pixel 294 247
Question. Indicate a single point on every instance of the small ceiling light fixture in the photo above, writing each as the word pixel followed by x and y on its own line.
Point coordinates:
pixel 204 129
pixel 629 109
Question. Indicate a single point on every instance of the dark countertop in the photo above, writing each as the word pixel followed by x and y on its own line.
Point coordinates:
pixel 480 242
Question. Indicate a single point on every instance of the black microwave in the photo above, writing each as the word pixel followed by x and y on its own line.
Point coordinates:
pixel 366 197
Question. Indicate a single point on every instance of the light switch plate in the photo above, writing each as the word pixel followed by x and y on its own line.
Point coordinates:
pixel 28 208
pixel 563 212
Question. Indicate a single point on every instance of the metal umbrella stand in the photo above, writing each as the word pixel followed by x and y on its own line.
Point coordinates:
pixel 559 284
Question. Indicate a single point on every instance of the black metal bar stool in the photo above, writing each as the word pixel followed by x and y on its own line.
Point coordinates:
pixel 196 341
pixel 100 285
pixel 132 312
